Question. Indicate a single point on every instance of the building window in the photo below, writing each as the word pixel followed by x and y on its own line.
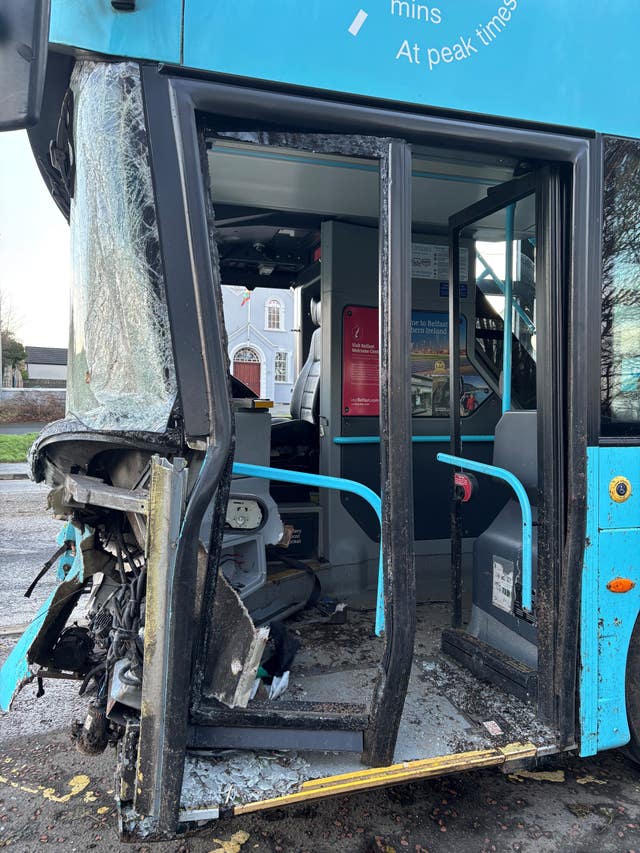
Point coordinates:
pixel 274 315
pixel 282 367
pixel 247 355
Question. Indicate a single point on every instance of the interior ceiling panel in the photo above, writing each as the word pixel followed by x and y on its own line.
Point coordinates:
pixel 252 176
pixel 494 227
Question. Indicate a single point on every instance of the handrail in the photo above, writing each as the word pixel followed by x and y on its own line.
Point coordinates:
pixel 322 481
pixel 417 439
pixel 525 507
pixel 488 271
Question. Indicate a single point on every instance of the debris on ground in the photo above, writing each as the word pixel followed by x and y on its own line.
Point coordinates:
pixel 538 775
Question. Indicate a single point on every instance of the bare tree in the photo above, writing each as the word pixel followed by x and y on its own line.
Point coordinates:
pixel 12 350
pixel 11 319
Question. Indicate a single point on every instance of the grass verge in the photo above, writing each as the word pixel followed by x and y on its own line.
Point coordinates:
pixel 14 448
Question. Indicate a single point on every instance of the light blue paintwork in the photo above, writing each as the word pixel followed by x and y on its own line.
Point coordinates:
pixel 324 482
pixel 525 507
pixel 417 439
pixel 614 462
pixel 153 31
pixel 588 670
pixel 570 63
pixel 607 618
pixel 16 670
pixel 552 62
pixel 65 563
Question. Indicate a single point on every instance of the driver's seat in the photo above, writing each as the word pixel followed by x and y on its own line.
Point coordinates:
pixel 294 442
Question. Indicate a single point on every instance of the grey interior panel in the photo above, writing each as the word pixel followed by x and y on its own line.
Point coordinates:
pixel 257 177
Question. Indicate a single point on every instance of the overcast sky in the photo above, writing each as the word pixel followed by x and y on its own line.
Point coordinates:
pixel 34 247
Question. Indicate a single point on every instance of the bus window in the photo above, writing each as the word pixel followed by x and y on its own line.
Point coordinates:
pixel 491 268
pixel 620 370
pixel 125 381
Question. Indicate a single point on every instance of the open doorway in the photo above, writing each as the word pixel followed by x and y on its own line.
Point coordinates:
pixel 327 205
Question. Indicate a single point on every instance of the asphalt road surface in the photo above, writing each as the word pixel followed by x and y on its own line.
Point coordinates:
pixel 54 798
pixel 21 428
pixel 27 539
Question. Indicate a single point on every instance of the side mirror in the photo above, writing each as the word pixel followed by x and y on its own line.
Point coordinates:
pixel 24 37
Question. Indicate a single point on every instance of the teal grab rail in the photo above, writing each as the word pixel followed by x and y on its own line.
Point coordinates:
pixel 300 478
pixel 525 507
pixel 417 439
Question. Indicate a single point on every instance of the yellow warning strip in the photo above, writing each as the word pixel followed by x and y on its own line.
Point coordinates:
pixel 408 771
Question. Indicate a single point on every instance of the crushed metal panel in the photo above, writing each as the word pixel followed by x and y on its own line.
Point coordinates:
pixel 93 490
pixel 235 649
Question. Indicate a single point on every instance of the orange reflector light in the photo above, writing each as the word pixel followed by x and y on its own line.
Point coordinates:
pixel 620 585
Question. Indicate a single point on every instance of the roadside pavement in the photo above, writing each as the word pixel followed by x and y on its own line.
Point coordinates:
pixel 27 540
pixel 14 471
pixel 21 428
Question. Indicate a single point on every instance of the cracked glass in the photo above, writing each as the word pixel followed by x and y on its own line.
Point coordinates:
pixel 121 372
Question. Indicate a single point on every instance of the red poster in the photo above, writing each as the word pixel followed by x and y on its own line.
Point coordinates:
pixel 360 361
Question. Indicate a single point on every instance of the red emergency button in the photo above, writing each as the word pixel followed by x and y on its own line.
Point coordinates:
pixel 464 485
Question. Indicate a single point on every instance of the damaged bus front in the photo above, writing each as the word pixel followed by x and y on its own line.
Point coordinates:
pixel 255 607
pixel 175 581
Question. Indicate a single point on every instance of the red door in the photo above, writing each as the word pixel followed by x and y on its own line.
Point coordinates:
pixel 246 368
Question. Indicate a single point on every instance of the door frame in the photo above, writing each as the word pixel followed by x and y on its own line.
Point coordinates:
pixel 171 101
pixel 179 146
pixel 552 244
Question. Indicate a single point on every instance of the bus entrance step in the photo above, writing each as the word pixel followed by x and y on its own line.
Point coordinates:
pixel 345 716
pixel 490 664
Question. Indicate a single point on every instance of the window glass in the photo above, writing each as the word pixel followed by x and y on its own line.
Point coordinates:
pixel 493 254
pixel 620 365
pixel 121 374
pixel 281 367
pixel 247 355
pixel 274 318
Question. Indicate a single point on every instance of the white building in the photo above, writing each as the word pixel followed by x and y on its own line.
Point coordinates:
pixel 47 366
pixel 260 331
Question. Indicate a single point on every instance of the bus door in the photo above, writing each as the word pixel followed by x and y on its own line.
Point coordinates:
pixel 518 328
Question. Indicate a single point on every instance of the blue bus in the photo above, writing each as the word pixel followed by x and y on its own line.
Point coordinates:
pixel 431 563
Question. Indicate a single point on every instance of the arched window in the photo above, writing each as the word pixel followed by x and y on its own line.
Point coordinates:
pixel 274 315
pixel 246 354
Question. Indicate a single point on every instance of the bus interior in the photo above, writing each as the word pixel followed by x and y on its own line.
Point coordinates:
pixel 307 557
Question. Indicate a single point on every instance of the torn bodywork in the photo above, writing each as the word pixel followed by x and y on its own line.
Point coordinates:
pixel 144 507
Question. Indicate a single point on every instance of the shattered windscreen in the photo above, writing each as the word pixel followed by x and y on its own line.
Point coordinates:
pixel 121 372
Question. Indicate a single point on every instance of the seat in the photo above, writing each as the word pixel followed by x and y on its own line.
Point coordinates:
pixel 294 442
